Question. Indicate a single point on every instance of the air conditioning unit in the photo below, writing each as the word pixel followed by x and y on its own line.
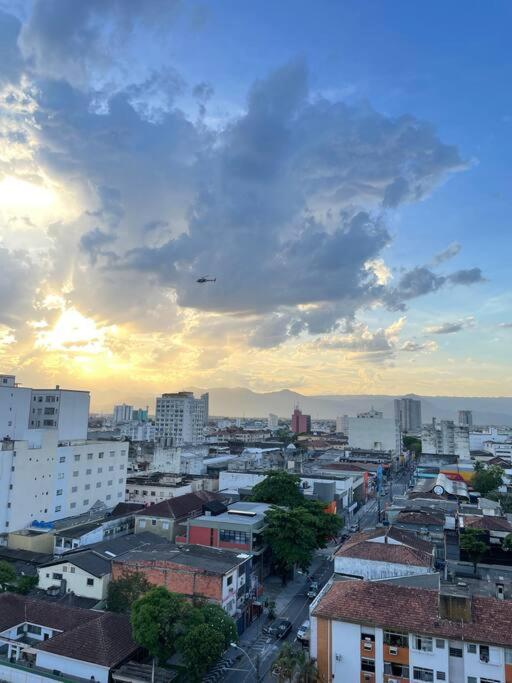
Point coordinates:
pixel 393 650
pixel 367 677
pixel 367 645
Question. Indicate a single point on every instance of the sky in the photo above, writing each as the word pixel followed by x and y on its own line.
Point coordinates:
pixel 342 168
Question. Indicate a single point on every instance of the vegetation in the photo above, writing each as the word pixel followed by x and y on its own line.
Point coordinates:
pixel 485 480
pixel 412 443
pixel 473 543
pixel 7 575
pixel 123 592
pixel 26 583
pixel 294 664
pixel 279 488
pixel 504 499
pixel 165 623
pixel 507 542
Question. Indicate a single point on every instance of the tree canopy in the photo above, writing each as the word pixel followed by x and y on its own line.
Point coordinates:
pixel 157 620
pixel 473 543
pixel 412 443
pixel 7 575
pixel 279 488
pixel 123 592
pixel 488 479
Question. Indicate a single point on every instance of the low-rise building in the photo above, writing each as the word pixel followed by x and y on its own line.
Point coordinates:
pixel 216 575
pixel 384 553
pixel 166 517
pixel 156 487
pixel 381 632
pixel 41 642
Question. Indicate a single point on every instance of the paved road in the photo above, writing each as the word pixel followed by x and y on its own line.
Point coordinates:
pixel 265 648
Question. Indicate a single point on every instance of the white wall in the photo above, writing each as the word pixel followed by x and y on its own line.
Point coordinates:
pixel 371 570
pixel 70 411
pixel 14 411
pixel 346 641
pixel 72 667
pixel 374 433
pixel 76 580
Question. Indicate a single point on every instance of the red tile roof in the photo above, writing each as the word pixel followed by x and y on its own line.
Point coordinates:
pixel 419 517
pixel 180 506
pixel 415 610
pixel 406 549
pixel 487 523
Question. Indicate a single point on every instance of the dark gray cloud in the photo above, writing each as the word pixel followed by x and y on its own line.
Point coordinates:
pixel 451 327
pixel 469 276
pixel 450 252
pixel 19 277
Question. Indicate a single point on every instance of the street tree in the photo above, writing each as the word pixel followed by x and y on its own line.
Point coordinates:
pixel 123 592
pixel 327 525
pixel 157 621
pixel 473 543
pixel 200 647
pixel 214 616
pixel 292 537
pixel 279 488
pixel 7 575
pixel 485 480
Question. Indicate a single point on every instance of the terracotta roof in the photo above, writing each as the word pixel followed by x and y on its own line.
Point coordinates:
pixel 419 517
pixel 97 637
pixel 180 506
pixel 106 640
pixel 415 609
pixel 400 548
pixel 487 523
pixel 126 508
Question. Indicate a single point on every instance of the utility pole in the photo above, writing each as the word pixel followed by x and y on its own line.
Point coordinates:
pixel 257 667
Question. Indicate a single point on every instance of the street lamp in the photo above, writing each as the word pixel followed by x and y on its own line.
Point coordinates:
pixel 250 660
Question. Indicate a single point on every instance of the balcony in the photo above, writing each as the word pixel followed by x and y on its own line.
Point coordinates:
pixel 394 653
pixel 368 648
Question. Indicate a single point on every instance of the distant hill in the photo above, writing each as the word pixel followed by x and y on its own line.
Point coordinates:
pixel 240 402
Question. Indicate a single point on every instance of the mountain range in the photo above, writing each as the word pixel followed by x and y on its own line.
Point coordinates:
pixel 241 402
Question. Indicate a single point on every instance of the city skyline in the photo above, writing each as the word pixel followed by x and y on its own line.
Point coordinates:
pixel 341 175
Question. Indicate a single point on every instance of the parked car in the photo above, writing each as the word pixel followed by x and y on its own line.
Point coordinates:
pixel 312 591
pixel 303 631
pixel 354 527
pixel 279 628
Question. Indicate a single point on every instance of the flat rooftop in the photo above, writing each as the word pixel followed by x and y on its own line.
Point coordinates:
pixel 213 560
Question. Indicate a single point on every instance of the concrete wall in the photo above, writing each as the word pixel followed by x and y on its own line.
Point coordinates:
pixel 76 580
pixel 72 667
pixel 371 570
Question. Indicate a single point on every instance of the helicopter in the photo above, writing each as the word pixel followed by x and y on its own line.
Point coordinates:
pixel 204 278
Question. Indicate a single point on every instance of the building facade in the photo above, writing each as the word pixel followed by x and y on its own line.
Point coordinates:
pixel 465 418
pixel 408 414
pixel 445 438
pixel 181 418
pixel 122 413
pixel 22 409
pixel 372 431
pixel 301 424
pixel 273 421
pixel 384 633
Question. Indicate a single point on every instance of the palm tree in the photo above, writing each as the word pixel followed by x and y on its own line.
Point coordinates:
pixel 293 665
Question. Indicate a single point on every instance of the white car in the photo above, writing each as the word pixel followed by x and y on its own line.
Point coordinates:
pixel 303 632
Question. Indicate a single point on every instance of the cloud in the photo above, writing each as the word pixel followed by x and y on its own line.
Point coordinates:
pixel 506 326
pixel 411 346
pixel 466 277
pixel 450 252
pixel 451 327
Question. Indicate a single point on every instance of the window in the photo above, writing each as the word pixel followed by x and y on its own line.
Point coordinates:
pixel 109 482
pixel 153 522
pixel 60 475
pixel 56 576
pixel 72 505
pixel 484 653
pixel 121 467
pixel 100 470
pixel 100 455
pixel 142 523
pixel 88 471
pixel 422 643
pixel 62 458
pixel 440 643
pixel 396 639
pixel 489 680
pixel 59 492
pixel 455 652
pixel 75 473
pixel 111 468
pixel 471 648
pixel 229 536
pixel 121 480
pixel 98 484
pixel 420 674
pixel 21 629
pixel 36 630
pixel 90 582
pixel 472 679
pixel 153 493
pixel 508 655
pixel 441 676
pixel 89 456
pixel 72 570
pixel 109 496
pixel 112 453
pixel 74 489
pixel 87 487
pixel 86 501
pixel 165 525
pixel 367 664
pixel 77 458
pixel 229 580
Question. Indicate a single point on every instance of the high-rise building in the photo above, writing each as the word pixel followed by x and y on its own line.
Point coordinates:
pixel 445 438
pixel 372 431
pixel 22 409
pixel 181 418
pixel 122 413
pixel 408 414
pixel 465 418
pixel 140 414
pixel 273 421
pixel 301 424
pixel 48 468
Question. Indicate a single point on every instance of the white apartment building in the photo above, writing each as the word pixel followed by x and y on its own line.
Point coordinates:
pixel 22 409
pixel 408 414
pixel 445 438
pixel 44 479
pixel 272 421
pixel 372 431
pixel 381 632
pixel 138 431
pixel 122 413
pixel 181 418
pixel 477 439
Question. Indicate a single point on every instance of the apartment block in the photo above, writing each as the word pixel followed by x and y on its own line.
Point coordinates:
pixel 408 414
pixel 181 418
pixel 445 438
pixel 387 633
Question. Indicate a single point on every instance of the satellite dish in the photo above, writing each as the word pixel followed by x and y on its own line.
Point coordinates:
pixel 438 490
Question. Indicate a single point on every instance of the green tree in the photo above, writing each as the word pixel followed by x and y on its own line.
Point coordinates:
pixel 26 583
pixel 200 647
pixel 472 542
pixel 488 479
pixel 7 575
pixel 507 542
pixel 279 488
pixel 294 664
pixel 123 592
pixel 326 524
pixel 504 499
pixel 292 537
pixel 412 443
pixel 157 621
